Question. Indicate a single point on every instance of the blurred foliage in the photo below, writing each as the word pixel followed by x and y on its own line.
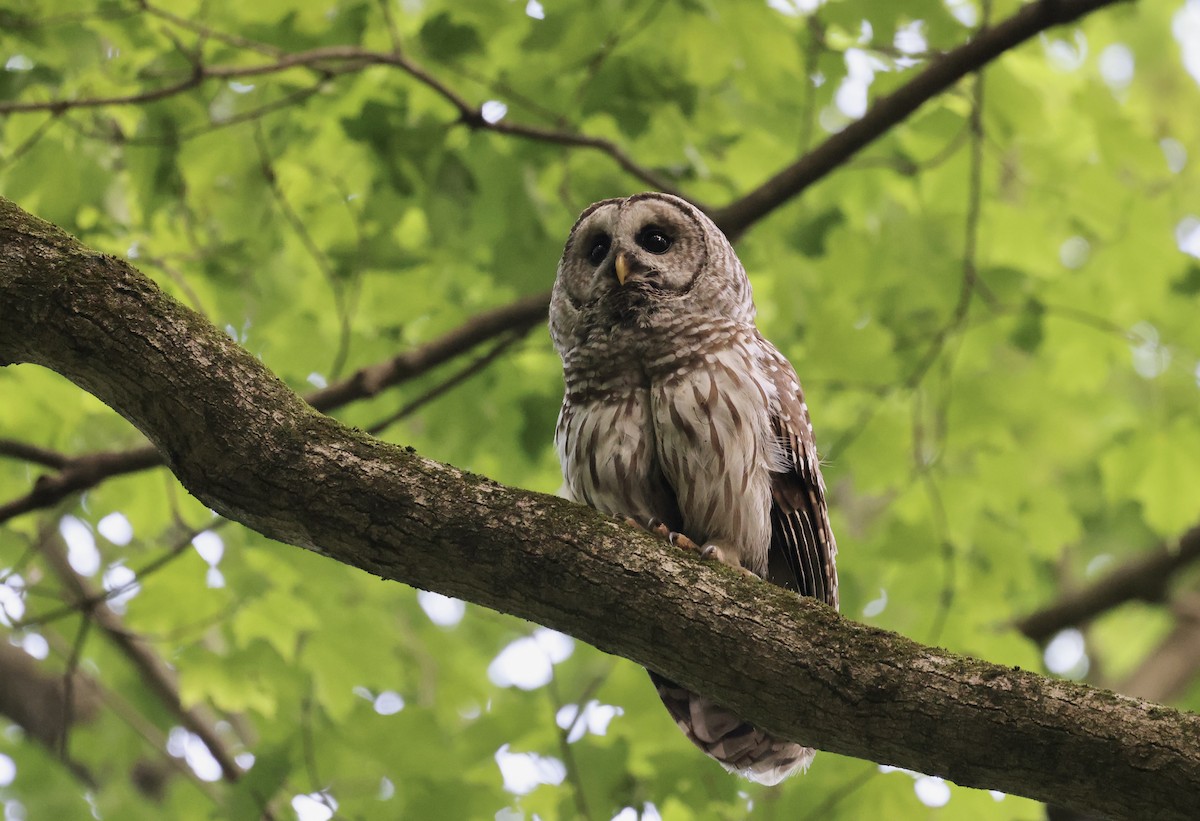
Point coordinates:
pixel 989 307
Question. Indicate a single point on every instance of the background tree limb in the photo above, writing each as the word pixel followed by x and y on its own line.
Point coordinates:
pixel 1145 578
pixel 889 110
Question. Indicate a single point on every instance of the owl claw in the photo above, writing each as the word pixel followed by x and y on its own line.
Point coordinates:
pixel 682 542
pixel 652 525
pixel 712 552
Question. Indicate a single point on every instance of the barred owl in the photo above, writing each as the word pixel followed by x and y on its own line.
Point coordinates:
pixel 678 410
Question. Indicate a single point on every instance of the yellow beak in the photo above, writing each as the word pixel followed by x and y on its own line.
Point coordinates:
pixel 622 269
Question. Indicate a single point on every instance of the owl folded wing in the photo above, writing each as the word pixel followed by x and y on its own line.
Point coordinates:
pixel 802 545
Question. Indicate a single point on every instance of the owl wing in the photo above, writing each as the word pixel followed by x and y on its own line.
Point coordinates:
pixel 802 545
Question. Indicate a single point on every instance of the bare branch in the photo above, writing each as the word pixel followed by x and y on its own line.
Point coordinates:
pixel 1145 578
pixel 38 702
pixel 332 61
pixel 516 317
pixel 456 379
pixel 207 33
pixel 887 111
pixel 341 300
pixel 79 474
pixel 532 132
pixel 13 449
pixel 1171 667
pixel 152 670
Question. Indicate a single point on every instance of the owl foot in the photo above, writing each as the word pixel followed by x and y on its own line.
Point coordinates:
pixel 652 525
pixel 659 528
pixel 709 552
pixel 682 542
pixel 712 552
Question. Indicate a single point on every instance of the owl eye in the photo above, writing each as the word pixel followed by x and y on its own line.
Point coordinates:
pixel 654 240
pixel 599 249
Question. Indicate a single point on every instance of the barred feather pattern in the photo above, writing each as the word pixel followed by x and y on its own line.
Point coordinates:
pixel 677 408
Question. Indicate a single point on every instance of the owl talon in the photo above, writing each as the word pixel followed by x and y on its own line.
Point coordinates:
pixel 682 542
pixel 712 552
pixel 652 525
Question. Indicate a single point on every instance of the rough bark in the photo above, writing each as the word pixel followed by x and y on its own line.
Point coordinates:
pixel 246 445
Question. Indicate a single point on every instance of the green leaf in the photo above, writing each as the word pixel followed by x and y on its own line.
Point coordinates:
pixel 445 39
pixel 258 787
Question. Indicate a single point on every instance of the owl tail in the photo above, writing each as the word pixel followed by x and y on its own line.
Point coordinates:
pixel 736 745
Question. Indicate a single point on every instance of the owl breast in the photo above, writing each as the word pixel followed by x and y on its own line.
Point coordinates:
pixel 606 445
pixel 716 450
pixel 691 446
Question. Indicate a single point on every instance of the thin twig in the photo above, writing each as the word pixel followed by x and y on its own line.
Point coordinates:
pixel 180 280
pixel 29 142
pixel 841 793
pixel 16 22
pixel 1169 669
pixel 184 135
pixel 13 449
pixel 139 576
pixel 971 284
pixel 574 775
pixel 68 703
pixel 389 19
pixel 521 315
pixel 336 60
pixel 237 41
pixel 462 375
pixel 340 301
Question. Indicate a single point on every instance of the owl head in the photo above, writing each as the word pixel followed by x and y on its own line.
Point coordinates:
pixel 647 262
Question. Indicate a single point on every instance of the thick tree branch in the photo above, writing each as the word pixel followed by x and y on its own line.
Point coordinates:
pixel 887 111
pixel 244 444
pixel 82 472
